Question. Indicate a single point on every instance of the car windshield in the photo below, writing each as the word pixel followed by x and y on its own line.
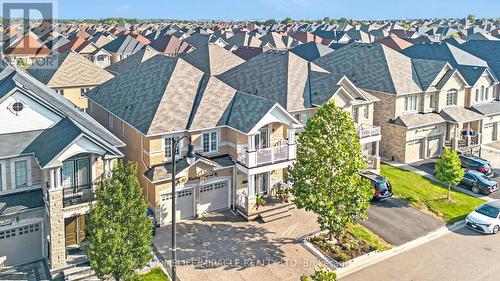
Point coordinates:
pixel 382 186
pixel 488 210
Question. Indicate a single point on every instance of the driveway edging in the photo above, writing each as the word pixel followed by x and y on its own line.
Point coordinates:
pixel 378 257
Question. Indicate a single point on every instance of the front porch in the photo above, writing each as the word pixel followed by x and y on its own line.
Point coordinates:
pixel 369 137
pixel 464 137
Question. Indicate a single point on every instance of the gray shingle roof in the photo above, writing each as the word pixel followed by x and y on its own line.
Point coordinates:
pixel 124 45
pixel 460 115
pixel 53 141
pixel 19 202
pixel 427 71
pixel 311 51
pixel 487 109
pixel 373 67
pixel 418 120
pixel 132 61
pixel 246 111
pixel 15 143
pixel 212 59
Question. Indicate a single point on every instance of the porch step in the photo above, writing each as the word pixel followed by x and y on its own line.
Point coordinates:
pixel 72 261
pixel 275 214
pixel 81 272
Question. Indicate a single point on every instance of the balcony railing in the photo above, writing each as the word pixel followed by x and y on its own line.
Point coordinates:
pixel 266 155
pixel 366 131
pixel 78 195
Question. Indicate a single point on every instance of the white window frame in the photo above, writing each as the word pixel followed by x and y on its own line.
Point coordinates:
pixel 454 102
pixel 432 101
pixel 210 140
pixel 3 176
pixel 411 103
pixel 366 112
pixel 13 172
pixel 110 121
pixel 355 114
pixel 179 147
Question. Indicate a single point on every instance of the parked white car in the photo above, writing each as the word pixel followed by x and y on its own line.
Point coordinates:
pixel 486 218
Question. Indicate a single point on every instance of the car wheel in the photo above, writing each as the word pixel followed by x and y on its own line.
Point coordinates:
pixel 495 229
pixel 475 189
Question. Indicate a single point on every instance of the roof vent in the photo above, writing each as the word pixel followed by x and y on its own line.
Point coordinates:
pixel 430 43
pixel 475 67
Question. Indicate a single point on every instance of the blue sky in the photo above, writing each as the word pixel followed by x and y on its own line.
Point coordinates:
pixel 278 9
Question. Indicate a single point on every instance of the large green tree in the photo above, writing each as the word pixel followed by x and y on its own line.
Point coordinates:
pixel 326 176
pixel 449 169
pixel 119 232
pixel 471 18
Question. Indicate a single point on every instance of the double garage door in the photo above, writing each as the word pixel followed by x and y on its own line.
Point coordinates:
pixel 212 197
pixel 423 148
pixel 21 244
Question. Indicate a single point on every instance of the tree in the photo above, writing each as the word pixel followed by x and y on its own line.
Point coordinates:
pixel 448 169
pixel 119 232
pixel 287 20
pixel 320 274
pixel 405 25
pixel 471 18
pixel 326 176
pixel 342 20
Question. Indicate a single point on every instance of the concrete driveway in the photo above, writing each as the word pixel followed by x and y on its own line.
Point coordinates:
pixel 35 271
pixel 428 167
pixel 222 246
pixel 463 255
pixel 397 222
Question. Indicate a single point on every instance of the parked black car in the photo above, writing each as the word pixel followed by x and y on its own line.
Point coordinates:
pixel 477 164
pixel 381 186
pixel 478 182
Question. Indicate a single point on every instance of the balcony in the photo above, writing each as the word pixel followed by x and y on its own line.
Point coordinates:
pixel 78 195
pixel 369 133
pixel 267 155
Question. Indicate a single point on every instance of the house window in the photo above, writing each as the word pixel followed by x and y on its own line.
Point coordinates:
pixel 83 91
pixel 411 103
pixel 304 118
pixel 60 91
pixel 432 101
pixel 168 147
pixel 297 116
pixel 482 93
pixel 477 94
pixel 355 114
pixel 210 142
pixel 110 121
pixel 487 93
pixel 366 111
pixel 451 97
pixel 21 173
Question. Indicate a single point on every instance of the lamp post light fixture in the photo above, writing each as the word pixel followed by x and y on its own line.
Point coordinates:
pixel 190 158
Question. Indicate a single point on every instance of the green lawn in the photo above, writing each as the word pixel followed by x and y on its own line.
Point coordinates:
pixel 427 195
pixel 369 237
pixel 156 274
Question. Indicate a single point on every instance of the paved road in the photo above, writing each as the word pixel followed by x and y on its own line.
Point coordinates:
pixel 428 167
pixel 398 223
pixel 463 255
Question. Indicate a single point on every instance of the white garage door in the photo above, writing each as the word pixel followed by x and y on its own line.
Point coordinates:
pixel 185 206
pixel 490 132
pixel 21 244
pixel 414 150
pixel 434 146
pixel 214 196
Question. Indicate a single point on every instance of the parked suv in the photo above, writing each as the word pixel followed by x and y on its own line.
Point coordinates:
pixel 381 187
pixel 476 163
pixel 478 182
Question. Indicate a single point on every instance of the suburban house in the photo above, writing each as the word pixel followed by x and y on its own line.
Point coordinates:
pixel 71 75
pixel 423 102
pixel 132 61
pixel 244 144
pixel 480 96
pixel 52 157
pixel 300 87
pixel 122 47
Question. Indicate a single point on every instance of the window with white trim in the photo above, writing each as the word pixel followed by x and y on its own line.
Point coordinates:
pixel 432 101
pixel 451 97
pixel 168 147
pixel 355 114
pixel 210 142
pixel 411 103
pixel 110 121
pixel 487 93
pixel 83 91
pixel 21 173
pixel 477 94
pixel 366 111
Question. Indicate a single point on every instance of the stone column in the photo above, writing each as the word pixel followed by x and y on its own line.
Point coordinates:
pixel 56 221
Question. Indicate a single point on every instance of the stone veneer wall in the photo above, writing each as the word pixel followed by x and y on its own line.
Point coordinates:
pixel 56 222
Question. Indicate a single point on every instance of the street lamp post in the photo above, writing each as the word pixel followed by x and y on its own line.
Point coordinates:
pixel 190 159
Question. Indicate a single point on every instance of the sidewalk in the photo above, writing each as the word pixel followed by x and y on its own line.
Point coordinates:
pixel 409 168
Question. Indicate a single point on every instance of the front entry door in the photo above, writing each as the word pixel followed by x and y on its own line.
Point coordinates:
pixel 261 183
pixel 74 230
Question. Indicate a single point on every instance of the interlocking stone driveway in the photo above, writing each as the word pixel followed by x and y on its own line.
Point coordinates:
pixel 223 246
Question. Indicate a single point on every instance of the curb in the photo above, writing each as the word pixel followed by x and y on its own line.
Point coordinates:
pixel 378 257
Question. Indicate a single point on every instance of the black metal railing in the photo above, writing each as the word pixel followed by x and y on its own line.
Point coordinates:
pixel 78 194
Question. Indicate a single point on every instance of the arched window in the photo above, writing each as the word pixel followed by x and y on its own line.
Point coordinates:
pixel 451 97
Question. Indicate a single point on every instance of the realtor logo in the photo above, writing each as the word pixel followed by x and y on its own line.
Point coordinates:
pixel 27 26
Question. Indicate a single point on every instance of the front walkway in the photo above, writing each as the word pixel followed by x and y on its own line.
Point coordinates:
pixel 35 271
pixel 222 246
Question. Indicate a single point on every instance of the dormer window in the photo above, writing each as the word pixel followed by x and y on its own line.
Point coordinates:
pixel 411 103
pixel 452 97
